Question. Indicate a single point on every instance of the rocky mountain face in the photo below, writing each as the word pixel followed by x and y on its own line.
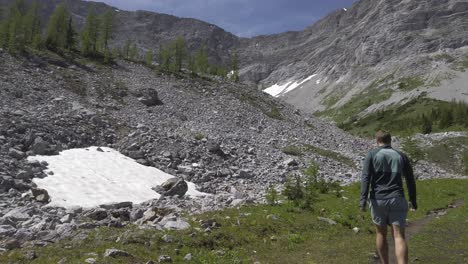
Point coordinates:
pixel 346 51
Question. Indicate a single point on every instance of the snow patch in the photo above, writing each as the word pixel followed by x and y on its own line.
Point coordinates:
pixel 278 90
pixel 89 178
pixel 345 9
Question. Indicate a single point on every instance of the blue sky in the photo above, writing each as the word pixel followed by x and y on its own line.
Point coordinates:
pixel 242 17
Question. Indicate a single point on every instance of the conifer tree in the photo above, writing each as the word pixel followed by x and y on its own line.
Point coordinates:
pixel 178 47
pixel 191 64
pixel 134 53
pixel 426 127
pixel 71 34
pixel 234 63
pixel 58 28
pixel 105 31
pixel 149 56
pixel 165 58
pixel 201 59
pixel 126 49
pixel 15 29
pixel 89 34
pixel 32 23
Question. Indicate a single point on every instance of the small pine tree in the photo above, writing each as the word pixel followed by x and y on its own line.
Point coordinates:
pixel 201 60
pixel 105 31
pixel 149 56
pixel 116 53
pixel 134 53
pixel 165 58
pixel 89 34
pixel 32 23
pixel 446 119
pixel 410 146
pixel 293 190
pixel 234 63
pixel 271 195
pixel 191 65
pixel 70 41
pixel 179 49
pixel 126 50
pixel 426 127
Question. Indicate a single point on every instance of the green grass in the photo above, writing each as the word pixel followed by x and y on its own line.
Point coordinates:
pixel 293 150
pixel 450 154
pixel 445 240
pixel 251 234
pixel 269 108
pixel 410 83
pixel 332 155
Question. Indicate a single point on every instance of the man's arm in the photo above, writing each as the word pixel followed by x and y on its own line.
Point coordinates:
pixel 367 171
pixel 410 182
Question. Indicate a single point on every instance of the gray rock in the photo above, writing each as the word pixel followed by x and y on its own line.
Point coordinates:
pixel 40 195
pixel 40 146
pixel 97 214
pixel 178 224
pixel 290 162
pixel 171 187
pixel 164 259
pixel 117 205
pixel 245 174
pixel 188 257
pixel 7 230
pixel 115 253
pixel 326 220
pixel 17 154
pixel 90 260
pixel 149 97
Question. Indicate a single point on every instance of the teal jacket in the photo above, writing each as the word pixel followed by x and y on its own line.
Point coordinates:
pixel 382 171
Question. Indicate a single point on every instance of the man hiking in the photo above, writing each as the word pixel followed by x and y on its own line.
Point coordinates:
pixel 382 172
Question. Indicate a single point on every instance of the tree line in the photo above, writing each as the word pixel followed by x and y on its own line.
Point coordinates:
pixel 454 114
pixel 21 29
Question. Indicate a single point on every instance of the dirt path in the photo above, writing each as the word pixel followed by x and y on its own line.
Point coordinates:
pixel 415 227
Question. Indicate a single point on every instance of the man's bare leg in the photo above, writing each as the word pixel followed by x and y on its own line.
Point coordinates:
pixel 401 248
pixel 381 242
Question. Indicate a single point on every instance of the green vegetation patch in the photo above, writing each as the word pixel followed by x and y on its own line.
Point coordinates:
pixel 377 92
pixel 332 155
pixel 412 117
pixel 410 83
pixel 279 233
pixel 267 107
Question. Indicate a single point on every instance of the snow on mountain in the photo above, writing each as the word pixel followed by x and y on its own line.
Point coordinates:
pixel 89 177
pixel 278 90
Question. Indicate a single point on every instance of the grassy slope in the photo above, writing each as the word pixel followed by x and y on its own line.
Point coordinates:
pixel 251 234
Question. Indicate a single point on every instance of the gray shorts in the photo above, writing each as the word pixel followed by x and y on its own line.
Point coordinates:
pixel 391 211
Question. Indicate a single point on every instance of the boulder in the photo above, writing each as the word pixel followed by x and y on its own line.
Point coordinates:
pixel 178 224
pixel 40 195
pixel 17 154
pixel 40 146
pixel 149 97
pixel 173 186
pixel 114 253
pixel 97 214
pixel 164 259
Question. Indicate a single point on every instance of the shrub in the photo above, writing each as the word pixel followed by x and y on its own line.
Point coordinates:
pixel 271 195
pixel 199 136
pixel 410 146
pixel 292 150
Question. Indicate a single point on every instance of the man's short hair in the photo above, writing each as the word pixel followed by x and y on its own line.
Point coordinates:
pixel 384 137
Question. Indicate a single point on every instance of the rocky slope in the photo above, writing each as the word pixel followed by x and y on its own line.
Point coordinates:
pixel 227 138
